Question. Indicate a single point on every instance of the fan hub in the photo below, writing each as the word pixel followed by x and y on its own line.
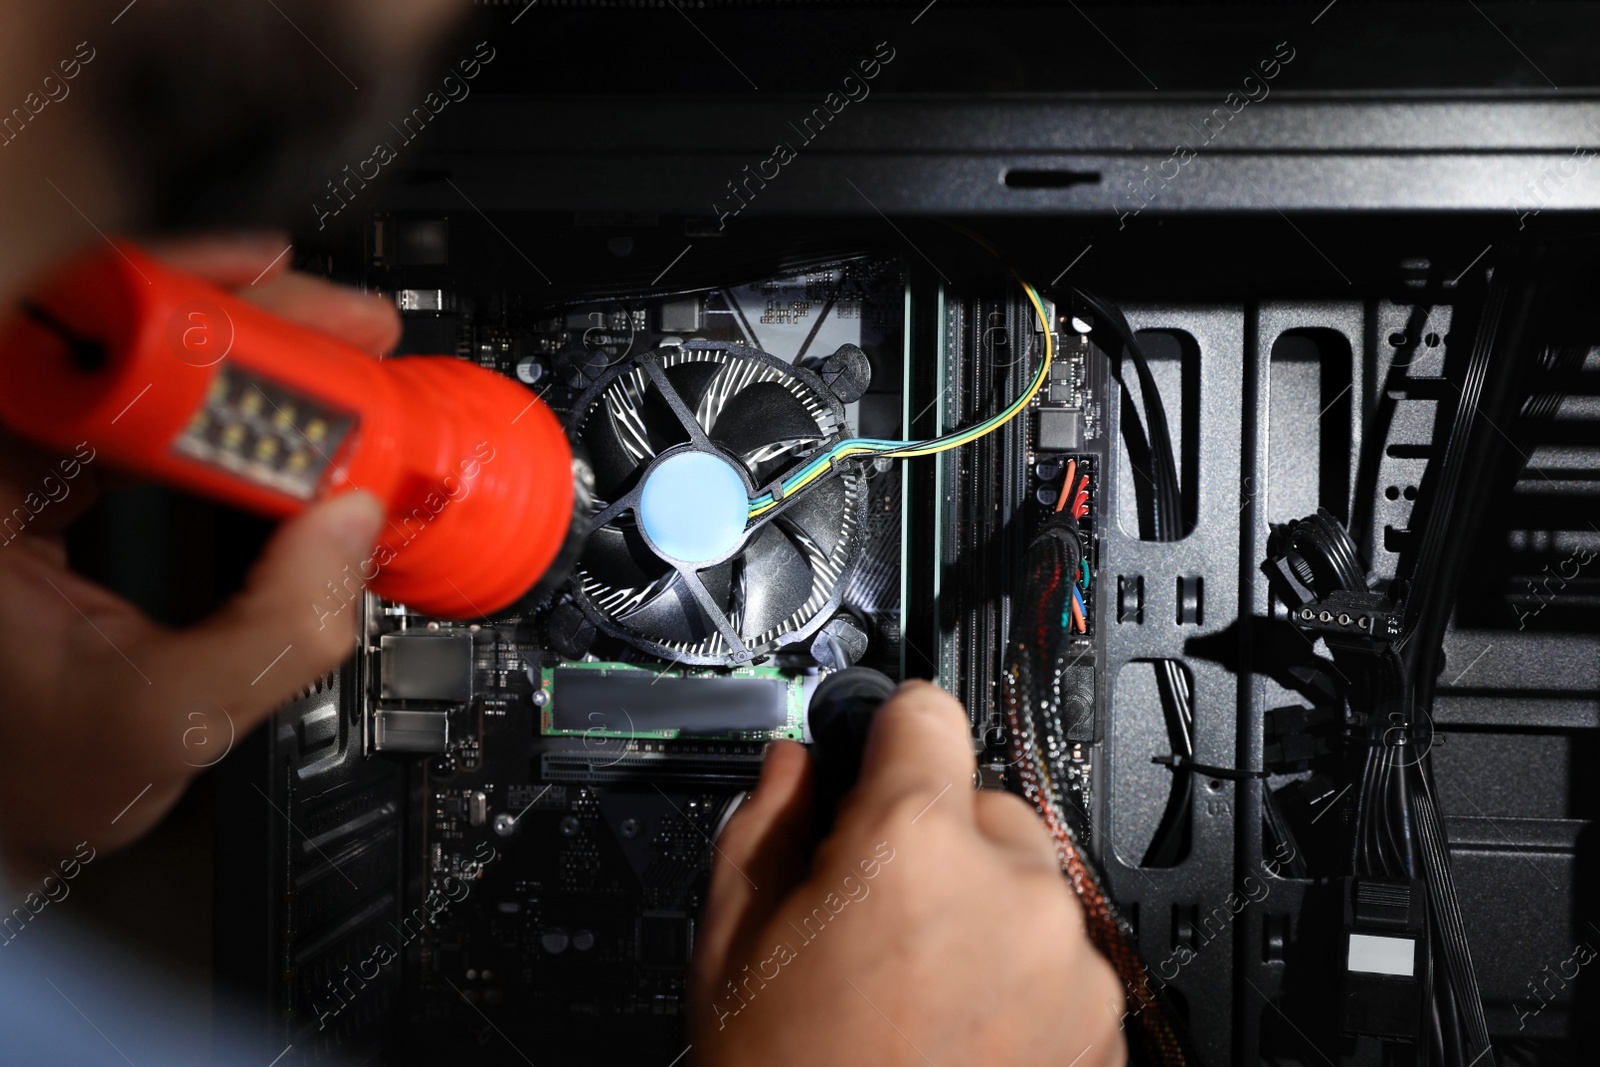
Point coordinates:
pixel 693 507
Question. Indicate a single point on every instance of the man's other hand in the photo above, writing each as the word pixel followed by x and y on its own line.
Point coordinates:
pixel 932 926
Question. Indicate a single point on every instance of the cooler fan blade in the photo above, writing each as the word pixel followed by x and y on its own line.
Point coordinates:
pixel 675 615
pixel 613 466
pixel 718 581
pixel 693 379
pixel 777 580
pixel 690 380
pixel 620 558
pixel 816 513
pixel 762 414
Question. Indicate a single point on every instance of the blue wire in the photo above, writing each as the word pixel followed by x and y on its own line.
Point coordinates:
pixel 1081 606
pixel 877 444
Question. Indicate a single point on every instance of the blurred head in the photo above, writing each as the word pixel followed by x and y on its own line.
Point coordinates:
pixel 194 114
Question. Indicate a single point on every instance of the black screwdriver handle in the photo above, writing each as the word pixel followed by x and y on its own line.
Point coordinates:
pixel 841 714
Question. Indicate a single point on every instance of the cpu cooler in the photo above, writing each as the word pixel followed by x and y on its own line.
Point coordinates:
pixel 680 439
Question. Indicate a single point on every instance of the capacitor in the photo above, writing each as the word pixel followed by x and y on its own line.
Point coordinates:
pixel 554 940
pixel 529 370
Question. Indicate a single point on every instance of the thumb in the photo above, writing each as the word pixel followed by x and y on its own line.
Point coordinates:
pixel 294 621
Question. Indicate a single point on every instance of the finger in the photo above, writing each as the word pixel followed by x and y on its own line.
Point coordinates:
pixel 52 488
pixel 919 752
pixel 1008 821
pixel 762 854
pixel 230 260
pixel 285 628
pixel 257 264
pixel 363 320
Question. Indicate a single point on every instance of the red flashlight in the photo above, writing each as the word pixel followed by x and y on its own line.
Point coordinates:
pixel 171 377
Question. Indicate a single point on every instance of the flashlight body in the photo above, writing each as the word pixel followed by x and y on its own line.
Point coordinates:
pixel 171 377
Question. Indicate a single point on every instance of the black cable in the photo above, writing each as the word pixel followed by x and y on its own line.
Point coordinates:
pixel 1455 501
pixel 1456 496
pixel 1168 843
pixel 1398 830
pixel 1282 836
pixel 1167 524
pixel 836 650
pixel 1165 502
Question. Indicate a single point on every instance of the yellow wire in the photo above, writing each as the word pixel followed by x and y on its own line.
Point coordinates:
pixel 813 476
pixel 984 429
pixel 938 445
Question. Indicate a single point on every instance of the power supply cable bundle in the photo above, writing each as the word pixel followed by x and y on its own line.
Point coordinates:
pixel 1409 973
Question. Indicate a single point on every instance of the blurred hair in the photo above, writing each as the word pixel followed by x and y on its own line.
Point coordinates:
pixel 229 115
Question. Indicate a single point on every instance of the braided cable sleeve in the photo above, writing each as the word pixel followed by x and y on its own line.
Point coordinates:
pixel 1030 699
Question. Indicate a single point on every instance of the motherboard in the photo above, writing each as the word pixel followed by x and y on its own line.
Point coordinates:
pixel 566 768
pixel 548 783
pixel 571 765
